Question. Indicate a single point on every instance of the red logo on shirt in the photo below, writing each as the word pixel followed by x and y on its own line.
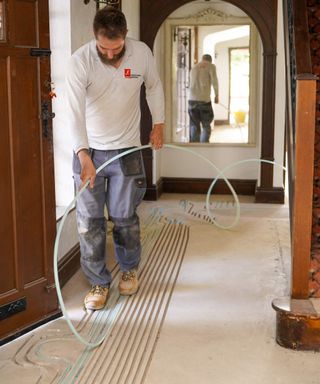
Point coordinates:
pixel 127 72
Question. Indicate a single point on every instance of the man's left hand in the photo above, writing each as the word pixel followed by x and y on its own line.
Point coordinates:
pixel 156 136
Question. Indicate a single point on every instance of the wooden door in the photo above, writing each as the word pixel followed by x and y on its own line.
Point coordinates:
pixel 27 218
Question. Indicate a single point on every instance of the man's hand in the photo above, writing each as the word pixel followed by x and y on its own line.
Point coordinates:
pixel 156 136
pixel 88 171
pixel 216 100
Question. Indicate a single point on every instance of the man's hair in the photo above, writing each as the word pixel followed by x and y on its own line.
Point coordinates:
pixel 207 58
pixel 110 22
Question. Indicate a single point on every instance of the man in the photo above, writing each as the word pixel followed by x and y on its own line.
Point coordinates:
pixel 103 93
pixel 202 77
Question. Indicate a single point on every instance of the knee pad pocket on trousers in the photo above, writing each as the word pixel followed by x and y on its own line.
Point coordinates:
pixel 126 232
pixel 91 229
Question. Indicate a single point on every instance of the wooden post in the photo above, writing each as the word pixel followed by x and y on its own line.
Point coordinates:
pixel 302 208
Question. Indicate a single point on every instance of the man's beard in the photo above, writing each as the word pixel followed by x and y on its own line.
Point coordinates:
pixel 115 58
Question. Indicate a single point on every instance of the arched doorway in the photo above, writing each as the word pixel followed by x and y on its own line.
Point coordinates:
pixel 264 15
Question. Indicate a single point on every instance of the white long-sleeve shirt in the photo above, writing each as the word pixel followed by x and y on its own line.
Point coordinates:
pixel 103 102
pixel 202 77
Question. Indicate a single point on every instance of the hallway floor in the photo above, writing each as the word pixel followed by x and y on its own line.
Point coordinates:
pixel 202 313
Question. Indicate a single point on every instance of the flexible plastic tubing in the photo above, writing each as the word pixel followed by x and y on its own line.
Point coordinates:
pixel 95 344
pixel 222 173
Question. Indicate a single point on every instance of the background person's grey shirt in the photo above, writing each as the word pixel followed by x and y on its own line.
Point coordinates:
pixel 202 77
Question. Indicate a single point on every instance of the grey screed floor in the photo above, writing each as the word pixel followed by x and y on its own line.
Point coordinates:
pixel 202 314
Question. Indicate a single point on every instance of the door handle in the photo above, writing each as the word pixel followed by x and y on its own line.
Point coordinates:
pixel 46 115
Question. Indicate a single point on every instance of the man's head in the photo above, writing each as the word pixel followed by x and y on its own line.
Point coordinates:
pixel 111 23
pixel 110 29
pixel 207 57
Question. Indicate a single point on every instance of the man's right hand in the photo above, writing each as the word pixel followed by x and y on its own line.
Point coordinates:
pixel 88 171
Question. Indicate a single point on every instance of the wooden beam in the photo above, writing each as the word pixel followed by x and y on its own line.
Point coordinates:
pixel 302 207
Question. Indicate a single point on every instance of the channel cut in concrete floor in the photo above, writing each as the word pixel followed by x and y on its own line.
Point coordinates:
pixel 202 314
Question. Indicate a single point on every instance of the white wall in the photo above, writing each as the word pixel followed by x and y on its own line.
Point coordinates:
pixel 81 17
pixel 60 41
pixel 70 27
pixel 131 9
pixel 69 235
pixel 157 49
pixel 210 32
pixel 280 102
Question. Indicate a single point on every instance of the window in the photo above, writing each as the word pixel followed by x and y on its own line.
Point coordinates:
pixel 239 59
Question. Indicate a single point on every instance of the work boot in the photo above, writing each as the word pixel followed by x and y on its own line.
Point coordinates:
pixel 96 298
pixel 128 284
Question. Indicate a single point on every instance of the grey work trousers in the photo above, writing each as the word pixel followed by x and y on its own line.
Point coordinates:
pixel 120 186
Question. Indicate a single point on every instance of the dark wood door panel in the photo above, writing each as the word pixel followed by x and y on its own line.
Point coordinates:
pixel 27 136
pixel 23 21
pixel 8 278
pixel 27 230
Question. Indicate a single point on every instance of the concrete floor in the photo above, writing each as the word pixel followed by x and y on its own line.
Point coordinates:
pixel 202 314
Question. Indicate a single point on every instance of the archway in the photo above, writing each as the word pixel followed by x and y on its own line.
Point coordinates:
pixel 264 15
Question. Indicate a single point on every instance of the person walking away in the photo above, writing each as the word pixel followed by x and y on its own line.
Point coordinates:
pixel 203 76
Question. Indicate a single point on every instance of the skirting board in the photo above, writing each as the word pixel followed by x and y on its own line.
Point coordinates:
pixel 274 195
pixel 201 186
pixel 69 264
